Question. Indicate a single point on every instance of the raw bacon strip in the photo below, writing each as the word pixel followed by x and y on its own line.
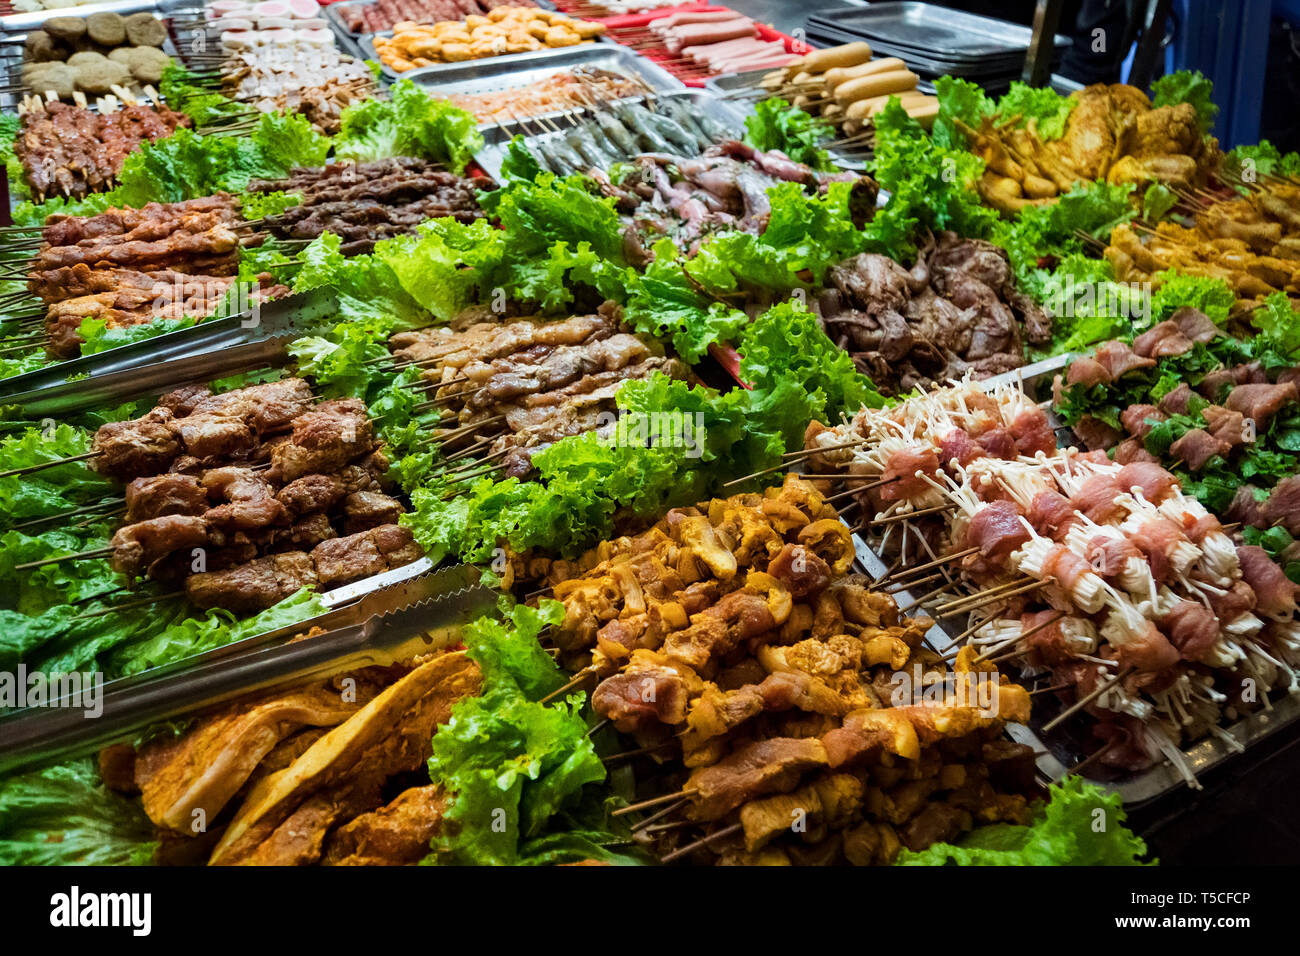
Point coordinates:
pixel 996 529
pixel 1192 628
pixel 1153 481
pixel 960 447
pixel 1108 554
pixel 1275 593
pixel 903 466
pixel 998 443
pixel 1157 539
pixel 1033 433
pixel 1051 514
pixel 1065 567
pixel 1098 499
pixel 1149 651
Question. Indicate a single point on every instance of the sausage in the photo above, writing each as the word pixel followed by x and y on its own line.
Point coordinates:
pixel 845 55
pixel 866 87
pixel 909 99
pixel 837 76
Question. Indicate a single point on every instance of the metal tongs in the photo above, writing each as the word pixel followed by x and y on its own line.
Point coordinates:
pixel 388 626
pixel 209 350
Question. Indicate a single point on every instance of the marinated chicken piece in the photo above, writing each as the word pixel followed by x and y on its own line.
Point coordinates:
pixel 397 834
pixel 363 510
pixel 325 439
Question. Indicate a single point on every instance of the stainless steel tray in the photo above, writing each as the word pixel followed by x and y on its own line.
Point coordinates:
pixel 511 60
pixel 486 76
pixel 1147 785
pixel 21 22
pixel 497 138
pixel 334 13
pixel 935 31
pixel 76 384
pixel 347 40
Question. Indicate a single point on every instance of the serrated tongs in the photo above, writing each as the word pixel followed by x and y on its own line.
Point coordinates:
pixel 387 626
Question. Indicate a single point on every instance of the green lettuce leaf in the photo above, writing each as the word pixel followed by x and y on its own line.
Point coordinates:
pixel 1081 825
pixel 65 816
pixel 409 122
pixel 515 767
pixel 776 124
pixel 1187 86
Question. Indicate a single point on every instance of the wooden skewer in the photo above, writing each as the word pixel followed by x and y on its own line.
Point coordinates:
pixel 142 602
pixel 84 555
pixel 659 814
pixel 597 727
pixel 903 516
pixel 47 464
pixel 703 841
pixel 813 450
pixel 653 802
pixel 1020 637
pixel 1083 702
pixel 578 678
pixel 638 752
pixel 925 597
pixel 993 598
pixel 938 562
pixel 1095 755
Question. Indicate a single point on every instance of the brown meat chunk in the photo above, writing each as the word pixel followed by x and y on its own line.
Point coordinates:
pixel 254 586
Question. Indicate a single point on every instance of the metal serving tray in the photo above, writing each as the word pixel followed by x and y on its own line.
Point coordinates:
pixel 497 138
pixel 347 40
pixel 1056 757
pixel 21 22
pixel 334 14
pixel 937 32
pixel 510 60
pixel 486 76
pixel 211 347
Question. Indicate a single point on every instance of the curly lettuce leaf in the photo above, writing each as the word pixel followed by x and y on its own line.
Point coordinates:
pixel 515 767
pixel 409 122
pixel 777 124
pixel 1187 86
pixel 1080 825
pixel 64 816
pixel 788 342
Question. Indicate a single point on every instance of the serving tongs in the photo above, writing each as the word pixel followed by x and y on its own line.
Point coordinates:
pixel 388 626
pixel 202 352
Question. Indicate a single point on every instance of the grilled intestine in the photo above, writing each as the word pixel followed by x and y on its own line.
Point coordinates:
pixel 1136 580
